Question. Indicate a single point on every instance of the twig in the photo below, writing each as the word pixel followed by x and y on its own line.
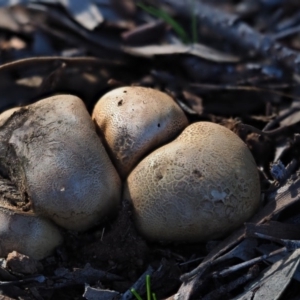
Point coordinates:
pixel 285 33
pixel 198 271
pixel 226 288
pixel 191 261
pixel 280 118
pixel 38 278
pixel 70 61
pixel 289 244
pixel 271 133
pixel 238 33
pixel 248 263
pixel 228 87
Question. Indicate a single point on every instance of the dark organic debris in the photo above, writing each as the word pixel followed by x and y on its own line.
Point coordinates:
pixel 94 294
pixel 19 263
pixel 239 33
pixel 273 280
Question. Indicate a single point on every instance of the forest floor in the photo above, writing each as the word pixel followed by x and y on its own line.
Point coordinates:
pixel 235 63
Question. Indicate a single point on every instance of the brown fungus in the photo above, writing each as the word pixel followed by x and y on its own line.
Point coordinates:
pixel 24 232
pixel 27 233
pixel 198 187
pixel 136 120
pixel 51 152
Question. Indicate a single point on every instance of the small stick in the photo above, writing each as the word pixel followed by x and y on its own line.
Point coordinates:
pixel 70 61
pixel 278 119
pixel 192 261
pixel 248 263
pixel 227 288
pixel 289 244
pixel 38 278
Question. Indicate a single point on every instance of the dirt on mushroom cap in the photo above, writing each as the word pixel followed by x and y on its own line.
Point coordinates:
pixel 136 120
pixel 198 187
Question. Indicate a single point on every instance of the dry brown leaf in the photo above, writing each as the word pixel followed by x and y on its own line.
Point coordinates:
pixel 195 49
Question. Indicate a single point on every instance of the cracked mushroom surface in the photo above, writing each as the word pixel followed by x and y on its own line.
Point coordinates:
pixel 51 152
pixel 198 187
pixel 136 120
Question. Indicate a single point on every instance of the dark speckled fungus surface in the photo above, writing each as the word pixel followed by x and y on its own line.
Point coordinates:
pixel 136 120
pixel 198 187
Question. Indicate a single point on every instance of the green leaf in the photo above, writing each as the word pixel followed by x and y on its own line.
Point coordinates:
pixel 135 293
pixel 159 13
pixel 148 287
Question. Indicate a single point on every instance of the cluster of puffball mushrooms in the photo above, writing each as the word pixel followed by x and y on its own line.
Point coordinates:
pixel 63 169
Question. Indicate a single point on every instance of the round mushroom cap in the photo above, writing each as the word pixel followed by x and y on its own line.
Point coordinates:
pixel 28 234
pixel 200 186
pixel 68 175
pixel 135 120
pixel 22 231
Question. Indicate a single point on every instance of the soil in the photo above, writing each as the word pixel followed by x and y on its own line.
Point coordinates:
pixel 117 248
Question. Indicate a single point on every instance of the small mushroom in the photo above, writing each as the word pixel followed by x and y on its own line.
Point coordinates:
pixel 28 234
pixel 198 187
pixel 136 120
pixel 51 152
pixel 24 232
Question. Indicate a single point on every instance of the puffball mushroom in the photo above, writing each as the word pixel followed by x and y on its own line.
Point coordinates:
pixel 51 152
pixel 24 232
pixel 136 120
pixel 198 187
pixel 28 234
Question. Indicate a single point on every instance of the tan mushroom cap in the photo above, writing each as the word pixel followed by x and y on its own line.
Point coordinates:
pixel 28 234
pixel 4 116
pixel 68 175
pixel 198 187
pixel 136 120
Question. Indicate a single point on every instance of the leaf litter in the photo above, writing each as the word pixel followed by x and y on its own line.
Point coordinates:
pixel 242 72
